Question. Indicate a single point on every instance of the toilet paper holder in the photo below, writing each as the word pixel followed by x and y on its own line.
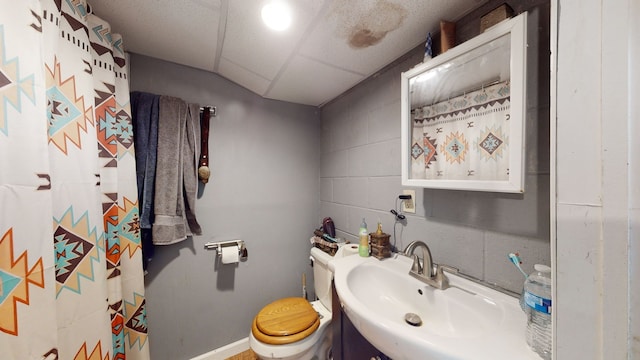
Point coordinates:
pixel 217 246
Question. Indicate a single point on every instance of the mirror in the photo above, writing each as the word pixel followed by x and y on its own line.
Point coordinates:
pixel 463 114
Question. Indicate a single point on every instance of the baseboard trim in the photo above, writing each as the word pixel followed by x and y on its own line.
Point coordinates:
pixel 226 351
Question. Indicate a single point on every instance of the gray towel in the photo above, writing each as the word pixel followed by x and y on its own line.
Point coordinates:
pixel 191 156
pixel 169 226
pixel 144 110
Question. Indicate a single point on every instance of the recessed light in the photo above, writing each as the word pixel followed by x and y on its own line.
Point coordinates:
pixel 277 15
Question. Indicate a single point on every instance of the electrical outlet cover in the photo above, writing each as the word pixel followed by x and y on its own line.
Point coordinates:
pixel 409 206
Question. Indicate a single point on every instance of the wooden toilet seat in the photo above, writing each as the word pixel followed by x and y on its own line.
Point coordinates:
pixel 285 321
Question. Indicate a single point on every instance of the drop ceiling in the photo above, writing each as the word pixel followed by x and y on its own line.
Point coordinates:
pixel 329 47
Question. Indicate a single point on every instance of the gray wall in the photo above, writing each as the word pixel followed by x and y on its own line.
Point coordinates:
pixel 263 189
pixel 474 231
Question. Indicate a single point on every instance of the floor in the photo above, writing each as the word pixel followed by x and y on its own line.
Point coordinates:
pixel 246 355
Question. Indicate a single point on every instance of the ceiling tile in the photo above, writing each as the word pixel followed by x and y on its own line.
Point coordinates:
pixel 251 45
pixel 184 32
pixel 309 82
pixel 243 77
pixel 364 36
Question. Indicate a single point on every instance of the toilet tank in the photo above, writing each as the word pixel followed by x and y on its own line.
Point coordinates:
pixel 322 276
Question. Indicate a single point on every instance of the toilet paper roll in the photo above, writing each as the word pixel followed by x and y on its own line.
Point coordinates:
pixel 230 255
pixel 350 249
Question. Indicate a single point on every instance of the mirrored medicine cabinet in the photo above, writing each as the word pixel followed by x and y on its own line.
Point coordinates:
pixel 463 114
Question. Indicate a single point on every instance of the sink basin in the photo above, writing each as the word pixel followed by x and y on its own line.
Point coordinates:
pixel 465 321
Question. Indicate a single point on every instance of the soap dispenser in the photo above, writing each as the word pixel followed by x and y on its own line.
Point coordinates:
pixel 363 248
pixel 380 245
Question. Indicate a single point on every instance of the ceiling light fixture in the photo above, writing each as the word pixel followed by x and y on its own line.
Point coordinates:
pixel 277 15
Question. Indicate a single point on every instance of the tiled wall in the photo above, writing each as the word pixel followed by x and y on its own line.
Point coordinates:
pixel 474 231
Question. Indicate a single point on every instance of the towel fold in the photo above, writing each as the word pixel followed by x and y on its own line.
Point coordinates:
pixel 176 177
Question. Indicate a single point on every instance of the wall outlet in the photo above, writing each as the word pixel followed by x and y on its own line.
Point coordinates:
pixel 409 205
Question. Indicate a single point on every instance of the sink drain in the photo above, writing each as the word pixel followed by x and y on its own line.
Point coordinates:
pixel 413 319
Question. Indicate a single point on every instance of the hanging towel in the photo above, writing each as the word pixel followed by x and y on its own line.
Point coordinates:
pixel 145 113
pixel 145 134
pixel 169 226
pixel 191 156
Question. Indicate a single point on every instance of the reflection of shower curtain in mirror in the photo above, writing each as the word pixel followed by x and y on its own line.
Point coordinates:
pixel 71 281
pixel 463 138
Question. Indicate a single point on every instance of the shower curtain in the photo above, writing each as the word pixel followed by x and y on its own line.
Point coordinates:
pixel 71 280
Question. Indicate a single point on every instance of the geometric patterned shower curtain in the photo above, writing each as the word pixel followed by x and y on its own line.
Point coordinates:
pixel 463 138
pixel 71 280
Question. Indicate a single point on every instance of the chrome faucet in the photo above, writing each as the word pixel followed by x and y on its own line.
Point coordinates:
pixel 425 270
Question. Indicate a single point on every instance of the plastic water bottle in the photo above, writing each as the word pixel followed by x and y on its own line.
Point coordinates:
pixel 537 297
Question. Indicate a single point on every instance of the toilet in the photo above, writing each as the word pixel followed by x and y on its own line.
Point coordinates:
pixel 293 328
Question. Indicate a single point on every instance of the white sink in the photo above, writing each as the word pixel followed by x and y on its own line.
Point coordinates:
pixel 465 321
